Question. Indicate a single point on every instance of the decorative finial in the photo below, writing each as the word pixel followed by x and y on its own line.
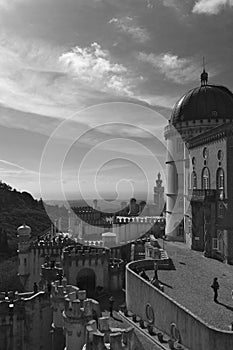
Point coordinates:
pixel 204 75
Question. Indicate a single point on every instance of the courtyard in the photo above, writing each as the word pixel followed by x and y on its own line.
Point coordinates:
pixel 189 284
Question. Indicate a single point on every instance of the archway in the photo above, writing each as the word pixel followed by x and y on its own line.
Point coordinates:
pixel 86 279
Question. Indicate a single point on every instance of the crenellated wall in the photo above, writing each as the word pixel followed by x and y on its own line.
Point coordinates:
pixel 36 254
pixel 101 336
pixel 78 311
pixel 25 321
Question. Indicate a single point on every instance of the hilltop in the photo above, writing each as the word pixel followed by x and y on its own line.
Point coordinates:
pixel 17 208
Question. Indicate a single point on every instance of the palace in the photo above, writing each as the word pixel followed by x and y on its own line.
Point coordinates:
pixel 199 170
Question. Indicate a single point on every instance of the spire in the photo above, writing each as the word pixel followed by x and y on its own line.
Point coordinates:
pixel 204 75
pixel 159 181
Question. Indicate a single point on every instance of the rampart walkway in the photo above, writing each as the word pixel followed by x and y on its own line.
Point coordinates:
pixel 190 284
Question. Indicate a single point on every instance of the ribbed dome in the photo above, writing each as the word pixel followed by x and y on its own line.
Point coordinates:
pixel 24 230
pixel 204 102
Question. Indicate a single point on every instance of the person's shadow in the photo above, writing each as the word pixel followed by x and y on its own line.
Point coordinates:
pixel 226 306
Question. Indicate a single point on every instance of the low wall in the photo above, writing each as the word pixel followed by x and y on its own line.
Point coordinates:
pixel 195 334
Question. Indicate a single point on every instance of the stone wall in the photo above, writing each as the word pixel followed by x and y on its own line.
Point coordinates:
pixel 194 333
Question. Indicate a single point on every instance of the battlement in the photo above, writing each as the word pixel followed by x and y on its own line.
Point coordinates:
pixel 77 305
pixel 94 243
pixel 116 265
pixel 139 219
pixel 86 253
pixel 57 244
pixel 16 304
pixel 50 271
pixel 103 337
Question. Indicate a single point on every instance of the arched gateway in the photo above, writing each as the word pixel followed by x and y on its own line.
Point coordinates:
pixel 86 279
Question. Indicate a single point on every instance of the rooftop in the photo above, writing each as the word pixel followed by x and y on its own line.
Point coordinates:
pixel 189 284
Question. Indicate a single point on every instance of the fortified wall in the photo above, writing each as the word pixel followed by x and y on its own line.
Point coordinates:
pixel 104 271
pixel 25 321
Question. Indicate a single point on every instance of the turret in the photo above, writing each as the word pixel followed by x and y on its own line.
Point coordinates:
pixel 77 313
pixel 24 235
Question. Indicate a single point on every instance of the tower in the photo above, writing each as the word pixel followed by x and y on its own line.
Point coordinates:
pixel 24 235
pixel 159 195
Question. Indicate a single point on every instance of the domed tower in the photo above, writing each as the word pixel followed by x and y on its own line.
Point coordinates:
pixel 197 111
pixel 24 235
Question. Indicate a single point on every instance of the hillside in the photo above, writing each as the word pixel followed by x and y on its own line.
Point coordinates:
pixel 17 208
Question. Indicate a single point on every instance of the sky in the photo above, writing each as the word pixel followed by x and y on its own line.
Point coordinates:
pixel 87 86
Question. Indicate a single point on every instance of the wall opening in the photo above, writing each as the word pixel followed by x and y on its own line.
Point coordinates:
pixel 86 279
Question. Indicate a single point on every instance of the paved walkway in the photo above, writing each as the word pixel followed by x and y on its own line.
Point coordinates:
pixel 189 284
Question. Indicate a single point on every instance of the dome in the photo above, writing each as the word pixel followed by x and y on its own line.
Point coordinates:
pixel 24 230
pixel 204 102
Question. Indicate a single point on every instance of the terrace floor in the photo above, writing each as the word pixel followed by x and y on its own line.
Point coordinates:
pixel 189 284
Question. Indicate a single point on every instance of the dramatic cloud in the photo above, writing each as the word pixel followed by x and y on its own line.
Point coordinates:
pixel 179 70
pixel 127 25
pixel 94 66
pixel 211 7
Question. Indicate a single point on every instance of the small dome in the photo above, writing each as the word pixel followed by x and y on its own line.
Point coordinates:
pixel 204 102
pixel 24 230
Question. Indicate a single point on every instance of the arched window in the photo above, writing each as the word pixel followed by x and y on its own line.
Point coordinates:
pixel 205 179
pixel 194 180
pixel 220 181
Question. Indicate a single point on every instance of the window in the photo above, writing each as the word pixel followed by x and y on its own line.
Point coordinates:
pixel 179 145
pixel 220 183
pixel 220 155
pixel 25 261
pixel 220 210
pixel 205 179
pixel 205 153
pixel 194 180
pixel 215 243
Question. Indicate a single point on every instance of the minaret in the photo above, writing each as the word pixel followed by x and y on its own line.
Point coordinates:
pixel 159 195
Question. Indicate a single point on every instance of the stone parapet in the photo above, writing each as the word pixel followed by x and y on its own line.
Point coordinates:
pixel 101 336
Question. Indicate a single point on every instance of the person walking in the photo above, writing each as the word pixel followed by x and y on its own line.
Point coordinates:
pixel 215 286
pixel 156 270
pixel 111 302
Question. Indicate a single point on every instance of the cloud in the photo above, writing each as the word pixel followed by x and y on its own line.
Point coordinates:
pixel 8 5
pixel 211 7
pixel 128 26
pixel 171 3
pixel 94 66
pixel 36 77
pixel 179 70
pixel 8 168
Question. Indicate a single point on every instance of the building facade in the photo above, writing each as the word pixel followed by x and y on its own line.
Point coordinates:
pixel 199 182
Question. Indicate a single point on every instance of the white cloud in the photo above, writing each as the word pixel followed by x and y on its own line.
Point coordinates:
pixel 8 168
pixel 93 65
pixel 127 25
pixel 211 7
pixel 9 4
pixel 38 78
pixel 179 70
